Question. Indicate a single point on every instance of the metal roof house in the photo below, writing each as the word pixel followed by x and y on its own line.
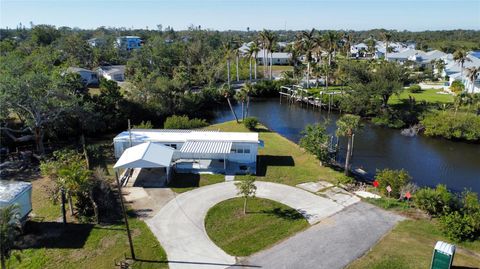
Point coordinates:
pixel 16 193
pixel 190 151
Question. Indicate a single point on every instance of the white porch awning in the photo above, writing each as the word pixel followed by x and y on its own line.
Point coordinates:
pixel 211 147
pixel 146 155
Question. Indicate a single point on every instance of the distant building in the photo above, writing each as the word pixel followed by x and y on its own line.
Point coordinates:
pixel 96 41
pixel 278 58
pixel 129 42
pixel 89 77
pixel 112 72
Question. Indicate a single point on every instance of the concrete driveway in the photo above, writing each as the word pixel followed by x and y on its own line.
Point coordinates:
pixel 179 226
pixel 333 243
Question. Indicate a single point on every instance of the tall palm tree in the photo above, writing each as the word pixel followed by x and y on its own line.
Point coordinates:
pixel 294 50
pixel 227 50
pixel 253 51
pixel 236 52
pixel 472 75
pixel 247 89
pixel 241 97
pixel 308 45
pixel 263 37
pixel 387 37
pixel 331 43
pixel 371 46
pixel 225 91
pixel 461 56
pixel 9 230
pixel 347 126
pixel 271 38
pixel 347 44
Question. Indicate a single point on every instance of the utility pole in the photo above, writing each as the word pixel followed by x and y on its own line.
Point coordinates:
pixel 130 242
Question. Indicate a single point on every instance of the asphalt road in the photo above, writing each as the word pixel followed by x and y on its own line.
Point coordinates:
pixel 333 243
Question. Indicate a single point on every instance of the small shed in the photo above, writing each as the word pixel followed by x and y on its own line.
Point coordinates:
pixel 19 193
pixel 443 255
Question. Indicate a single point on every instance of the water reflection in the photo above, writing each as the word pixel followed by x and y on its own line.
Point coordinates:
pixel 428 160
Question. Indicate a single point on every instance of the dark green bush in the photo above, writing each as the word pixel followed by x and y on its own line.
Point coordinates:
pixel 396 179
pixel 459 227
pixel 436 201
pixel 415 88
pixel 183 122
pixel 251 123
pixel 465 126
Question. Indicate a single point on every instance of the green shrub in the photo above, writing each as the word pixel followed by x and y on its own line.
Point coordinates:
pixel 465 126
pixel 315 141
pixel 415 88
pixel 396 179
pixel 435 202
pixel 345 180
pixel 458 227
pixel 183 122
pixel 144 125
pixel 251 123
pixel 457 86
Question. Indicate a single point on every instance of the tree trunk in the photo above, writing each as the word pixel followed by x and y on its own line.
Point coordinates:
pixel 264 64
pixel 85 153
pixel 245 206
pixel 228 72
pixel 271 65
pixel 308 74
pixel 64 211
pixel 95 207
pixel 349 154
pixel 250 69
pixel 238 77
pixel 233 111
pixel 39 134
pixel 70 205
pixel 248 105
pixel 243 109
pixel 255 68
pixel 2 258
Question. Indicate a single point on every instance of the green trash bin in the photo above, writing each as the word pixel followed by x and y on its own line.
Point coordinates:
pixel 442 255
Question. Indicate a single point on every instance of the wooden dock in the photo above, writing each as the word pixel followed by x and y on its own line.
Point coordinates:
pixel 297 94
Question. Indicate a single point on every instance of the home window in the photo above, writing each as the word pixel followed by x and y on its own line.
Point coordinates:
pixel 239 150
pixel 233 151
pixel 246 151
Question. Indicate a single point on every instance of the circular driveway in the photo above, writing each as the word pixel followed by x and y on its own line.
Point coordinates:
pixel 179 225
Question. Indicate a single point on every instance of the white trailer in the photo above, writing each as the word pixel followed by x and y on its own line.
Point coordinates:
pixel 17 193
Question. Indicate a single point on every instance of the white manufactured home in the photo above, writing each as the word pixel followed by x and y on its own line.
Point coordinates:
pixel 188 151
pixel 17 193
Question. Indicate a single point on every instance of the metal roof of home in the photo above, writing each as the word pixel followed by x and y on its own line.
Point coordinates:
pixel 11 189
pixel 213 147
pixel 168 135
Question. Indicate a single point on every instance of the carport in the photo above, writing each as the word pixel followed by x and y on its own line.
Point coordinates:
pixel 146 155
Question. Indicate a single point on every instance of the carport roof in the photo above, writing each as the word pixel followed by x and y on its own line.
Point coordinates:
pixel 146 155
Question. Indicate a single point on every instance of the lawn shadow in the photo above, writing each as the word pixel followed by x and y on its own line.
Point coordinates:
pixel 270 160
pixel 286 214
pixel 181 180
pixel 54 235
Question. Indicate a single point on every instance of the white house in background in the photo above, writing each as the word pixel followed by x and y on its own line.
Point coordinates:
pixel 89 77
pixel 128 42
pixel 453 70
pixel 278 58
pixel 96 41
pixel 17 193
pixel 417 57
pixel 112 72
pixel 194 151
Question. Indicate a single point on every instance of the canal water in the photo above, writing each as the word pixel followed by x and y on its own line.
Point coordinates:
pixel 429 161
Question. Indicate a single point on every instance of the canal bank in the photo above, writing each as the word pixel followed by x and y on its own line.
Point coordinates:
pixel 429 161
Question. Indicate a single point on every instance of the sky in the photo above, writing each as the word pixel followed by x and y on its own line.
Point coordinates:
pixel 238 15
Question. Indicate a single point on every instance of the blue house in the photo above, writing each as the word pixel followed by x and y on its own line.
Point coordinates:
pixel 129 42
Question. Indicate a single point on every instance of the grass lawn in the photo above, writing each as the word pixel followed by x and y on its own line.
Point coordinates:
pixel 265 223
pixel 410 245
pixel 281 160
pixel 429 95
pixel 278 68
pixel 81 245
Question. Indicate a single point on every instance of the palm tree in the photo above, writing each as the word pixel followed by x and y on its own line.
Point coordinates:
pixel 348 42
pixel 440 66
pixel 247 89
pixel 331 43
pixel 460 56
pixel 271 38
pixel 225 91
pixel 264 40
pixel 236 52
pixel 241 97
pixel 472 74
pixel 308 45
pixel 371 46
pixel 387 37
pixel 227 50
pixel 9 230
pixel 253 50
pixel 347 126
